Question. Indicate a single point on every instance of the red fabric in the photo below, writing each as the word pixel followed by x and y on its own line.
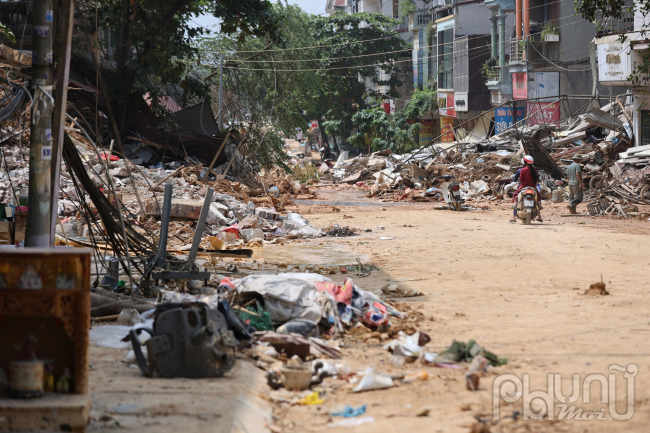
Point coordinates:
pixel 232 229
pixel 113 157
pixel 342 294
pixel 227 282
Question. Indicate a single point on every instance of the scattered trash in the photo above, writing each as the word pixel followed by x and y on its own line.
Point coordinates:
pixel 373 380
pixel 407 345
pixel 351 422
pixel 298 377
pixel 340 232
pixel 472 381
pixel 459 351
pixel 129 317
pixel 597 289
pixel 420 375
pixel 312 399
pixel 351 412
pixel 395 291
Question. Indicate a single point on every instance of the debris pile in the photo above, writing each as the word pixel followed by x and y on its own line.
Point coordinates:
pixel 613 170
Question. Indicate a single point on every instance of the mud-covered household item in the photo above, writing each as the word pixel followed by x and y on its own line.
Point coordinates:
pixel 26 379
pixel 304 327
pixel 111 279
pixel 187 340
pixel 459 351
pixel 296 378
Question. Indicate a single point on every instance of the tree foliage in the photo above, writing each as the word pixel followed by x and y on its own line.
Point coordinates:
pixel 7 34
pixel 151 43
pixel 350 79
pixel 589 9
pixel 263 95
pixel 310 70
pixel 422 103
pixel 379 130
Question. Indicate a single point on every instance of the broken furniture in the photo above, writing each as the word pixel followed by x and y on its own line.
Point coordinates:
pixel 162 267
pixel 187 340
pixel 45 311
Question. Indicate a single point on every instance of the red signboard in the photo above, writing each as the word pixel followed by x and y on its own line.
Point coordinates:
pixel 451 105
pixel 519 85
pixel 314 124
pixel 543 113
pixel 446 129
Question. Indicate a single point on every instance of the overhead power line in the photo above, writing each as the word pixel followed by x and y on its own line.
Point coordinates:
pixel 360 42
pixel 369 65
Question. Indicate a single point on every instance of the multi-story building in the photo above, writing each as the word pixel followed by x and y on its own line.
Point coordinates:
pixel 546 55
pixel 619 59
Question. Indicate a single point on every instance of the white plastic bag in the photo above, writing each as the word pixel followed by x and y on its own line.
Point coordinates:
pixel 372 379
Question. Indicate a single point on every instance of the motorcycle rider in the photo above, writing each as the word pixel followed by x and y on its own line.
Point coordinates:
pixel 528 178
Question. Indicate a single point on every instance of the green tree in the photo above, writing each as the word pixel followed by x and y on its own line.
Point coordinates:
pixel 423 102
pixel 349 48
pixel 5 33
pixel 151 43
pixel 263 92
pixel 378 130
pixel 590 9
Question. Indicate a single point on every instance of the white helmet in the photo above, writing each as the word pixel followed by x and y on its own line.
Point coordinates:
pixel 529 159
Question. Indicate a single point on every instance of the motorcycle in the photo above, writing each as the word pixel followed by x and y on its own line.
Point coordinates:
pixel 333 155
pixel 527 207
pixel 451 192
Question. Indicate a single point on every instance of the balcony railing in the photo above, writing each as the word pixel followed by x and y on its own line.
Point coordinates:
pixel 517 51
pixel 608 25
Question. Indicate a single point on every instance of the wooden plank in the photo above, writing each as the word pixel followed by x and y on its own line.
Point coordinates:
pixel 570 151
pixel 150 143
pixel 569 139
pixel 214 160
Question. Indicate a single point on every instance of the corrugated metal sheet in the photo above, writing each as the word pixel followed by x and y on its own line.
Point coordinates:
pixel 166 101
pixel 196 122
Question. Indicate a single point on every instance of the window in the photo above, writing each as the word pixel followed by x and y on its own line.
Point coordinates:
pixel 420 58
pixel 445 58
pixel 433 61
pixel 645 127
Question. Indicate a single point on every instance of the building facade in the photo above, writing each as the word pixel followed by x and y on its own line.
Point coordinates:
pixel 617 63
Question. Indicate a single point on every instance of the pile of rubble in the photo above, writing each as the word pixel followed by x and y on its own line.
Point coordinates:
pixel 612 169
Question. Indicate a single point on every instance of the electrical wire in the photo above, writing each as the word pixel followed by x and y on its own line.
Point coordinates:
pixel 365 41
pixel 379 64
pixel 556 65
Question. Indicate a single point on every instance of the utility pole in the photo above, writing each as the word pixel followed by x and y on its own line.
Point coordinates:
pixel 37 232
pixel 221 93
pixel 66 18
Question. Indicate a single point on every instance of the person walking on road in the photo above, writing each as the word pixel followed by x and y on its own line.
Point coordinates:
pixel 574 173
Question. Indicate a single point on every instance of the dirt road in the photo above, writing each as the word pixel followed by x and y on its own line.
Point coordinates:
pixel 517 290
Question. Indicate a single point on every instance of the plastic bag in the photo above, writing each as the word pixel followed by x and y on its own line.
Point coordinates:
pixel 372 379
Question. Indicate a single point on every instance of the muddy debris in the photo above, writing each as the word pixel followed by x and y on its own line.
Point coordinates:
pixel 341 232
pixel 597 289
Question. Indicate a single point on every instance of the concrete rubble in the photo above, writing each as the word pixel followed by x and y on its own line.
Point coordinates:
pixel 613 170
